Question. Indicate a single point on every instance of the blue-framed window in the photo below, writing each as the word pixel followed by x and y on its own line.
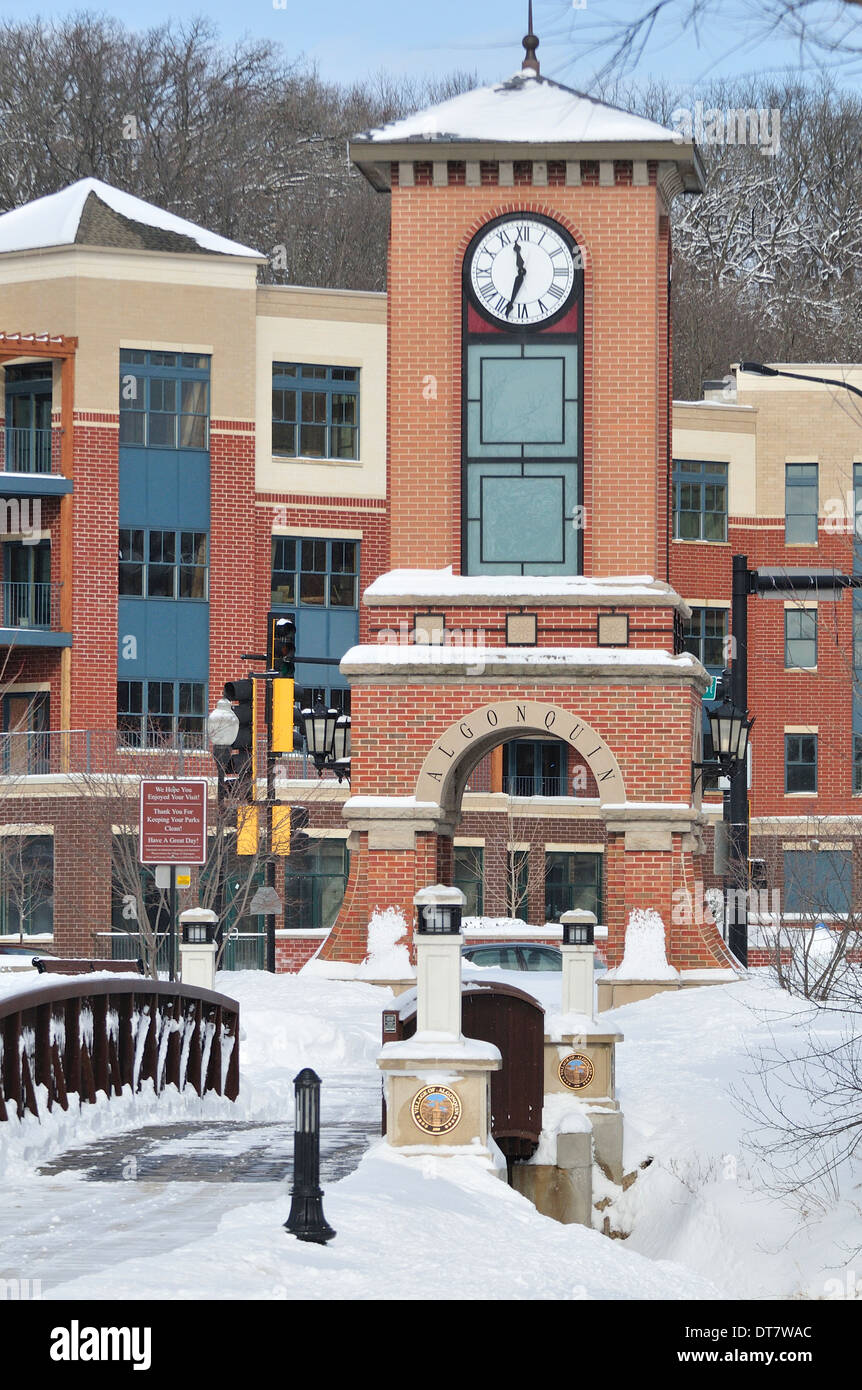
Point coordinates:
pixel 28 435
pixel 162 564
pixel 153 713
pixel 818 881
pixel 705 636
pixel 315 411
pixel 315 573
pixel 534 767
pixel 800 762
pixel 164 399
pixel 699 500
pixel 800 637
pixel 801 503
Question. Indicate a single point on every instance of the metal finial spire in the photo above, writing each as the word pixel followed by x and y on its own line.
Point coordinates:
pixel 531 43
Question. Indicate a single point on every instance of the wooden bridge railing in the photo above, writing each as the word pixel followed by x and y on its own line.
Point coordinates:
pixel 84 1035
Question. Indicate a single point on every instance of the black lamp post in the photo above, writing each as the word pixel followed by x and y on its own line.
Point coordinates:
pixel 306 1220
pixel 579 928
pixel 327 738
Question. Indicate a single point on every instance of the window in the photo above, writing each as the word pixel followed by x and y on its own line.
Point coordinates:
pixel 469 876
pixel 857 762
pixel 800 503
pixel 818 881
pixel 495 957
pixel 572 880
pixel 153 713
pixel 800 637
pixel 705 635
pixel 164 399
pixel 333 696
pixel 535 767
pixel 315 411
pixel 800 762
pixel 700 501
pixel 27 584
pixel 26 885
pixel 162 564
pixel 314 885
pixel 517 879
pixel 314 573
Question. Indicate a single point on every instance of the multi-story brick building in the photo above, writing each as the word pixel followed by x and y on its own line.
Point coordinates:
pixel 188 451
pixel 770 468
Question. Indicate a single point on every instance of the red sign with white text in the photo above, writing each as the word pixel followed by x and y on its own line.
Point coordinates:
pixel 174 821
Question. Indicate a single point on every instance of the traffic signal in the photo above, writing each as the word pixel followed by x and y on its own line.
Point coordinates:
pixel 299 841
pixel 282 645
pixel 281 735
pixel 241 694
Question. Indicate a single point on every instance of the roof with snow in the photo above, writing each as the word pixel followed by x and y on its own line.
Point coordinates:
pixel 92 213
pixel 516 115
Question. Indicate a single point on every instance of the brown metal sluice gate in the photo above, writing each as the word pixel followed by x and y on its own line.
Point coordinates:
pixel 515 1023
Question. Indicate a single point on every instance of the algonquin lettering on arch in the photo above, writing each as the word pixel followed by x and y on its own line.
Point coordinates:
pixel 481 730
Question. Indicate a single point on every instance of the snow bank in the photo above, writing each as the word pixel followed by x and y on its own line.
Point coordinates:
pixel 645 956
pixel 387 958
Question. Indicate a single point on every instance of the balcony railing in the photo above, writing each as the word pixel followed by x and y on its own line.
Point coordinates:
pixel 28 450
pixel 27 605
pixel 535 786
pixel 106 752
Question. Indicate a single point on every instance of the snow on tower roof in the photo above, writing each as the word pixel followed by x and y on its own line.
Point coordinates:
pixel 92 213
pixel 526 110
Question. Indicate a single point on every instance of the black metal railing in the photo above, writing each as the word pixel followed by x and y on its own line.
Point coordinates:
pixel 113 751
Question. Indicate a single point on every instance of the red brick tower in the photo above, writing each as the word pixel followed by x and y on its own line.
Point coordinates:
pixel 529 368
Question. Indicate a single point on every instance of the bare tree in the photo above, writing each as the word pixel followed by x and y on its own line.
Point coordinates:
pixel 821 35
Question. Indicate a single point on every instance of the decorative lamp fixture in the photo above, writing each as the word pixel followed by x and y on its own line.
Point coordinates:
pixel 319 728
pixel 198 926
pixel 327 738
pixel 439 910
pixel 341 748
pixel 730 727
pixel 222 724
pixel 579 927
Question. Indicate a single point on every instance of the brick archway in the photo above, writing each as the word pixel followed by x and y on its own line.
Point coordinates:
pixel 444 773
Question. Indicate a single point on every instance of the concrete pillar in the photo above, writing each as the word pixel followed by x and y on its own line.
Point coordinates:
pixel 198 947
pixel 578 950
pixel 438 942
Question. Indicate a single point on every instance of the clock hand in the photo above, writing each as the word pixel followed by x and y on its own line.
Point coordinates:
pixel 519 278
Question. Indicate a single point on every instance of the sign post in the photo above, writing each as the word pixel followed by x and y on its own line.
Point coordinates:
pixel 173 831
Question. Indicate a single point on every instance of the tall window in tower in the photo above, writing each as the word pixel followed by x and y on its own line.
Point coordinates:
pixel 521 490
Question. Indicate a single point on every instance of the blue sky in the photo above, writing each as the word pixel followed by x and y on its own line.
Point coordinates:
pixel 349 39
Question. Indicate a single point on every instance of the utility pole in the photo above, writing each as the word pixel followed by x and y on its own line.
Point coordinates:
pixel 736 802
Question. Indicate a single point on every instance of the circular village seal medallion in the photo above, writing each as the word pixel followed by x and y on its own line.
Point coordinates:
pixel 576 1071
pixel 436 1109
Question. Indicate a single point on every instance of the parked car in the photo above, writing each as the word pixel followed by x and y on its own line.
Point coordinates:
pixel 514 955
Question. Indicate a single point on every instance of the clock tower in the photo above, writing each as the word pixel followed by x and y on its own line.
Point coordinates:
pixel 528 414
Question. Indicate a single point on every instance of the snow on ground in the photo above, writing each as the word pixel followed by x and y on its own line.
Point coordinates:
pixel 702 1220
pixel 686 1067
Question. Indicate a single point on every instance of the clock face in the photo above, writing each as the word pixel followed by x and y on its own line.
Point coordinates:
pixel 522 271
